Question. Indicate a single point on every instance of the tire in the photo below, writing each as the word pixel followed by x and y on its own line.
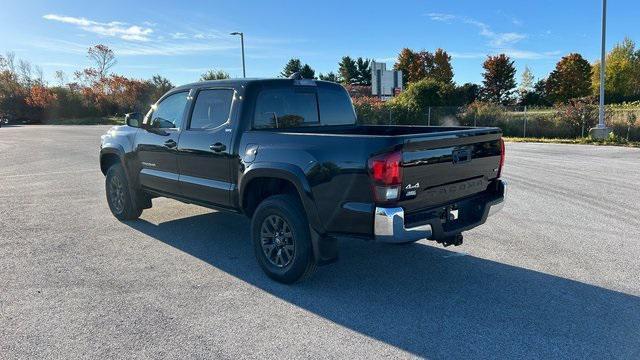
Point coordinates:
pixel 119 196
pixel 280 224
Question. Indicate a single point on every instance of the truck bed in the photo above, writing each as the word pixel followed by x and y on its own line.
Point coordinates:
pixel 335 160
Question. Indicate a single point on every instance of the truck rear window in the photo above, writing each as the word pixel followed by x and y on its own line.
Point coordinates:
pixel 285 108
pixel 292 107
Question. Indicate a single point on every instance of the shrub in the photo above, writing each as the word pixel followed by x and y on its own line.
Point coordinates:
pixel 578 115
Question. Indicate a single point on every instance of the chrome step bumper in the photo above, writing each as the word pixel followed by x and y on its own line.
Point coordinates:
pixel 388 224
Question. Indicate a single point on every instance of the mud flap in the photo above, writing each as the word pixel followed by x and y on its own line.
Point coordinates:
pixel 325 248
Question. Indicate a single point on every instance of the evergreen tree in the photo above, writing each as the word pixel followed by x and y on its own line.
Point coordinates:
pixel 294 65
pixel 364 71
pixel 307 72
pixel 330 76
pixel 348 70
pixel 214 75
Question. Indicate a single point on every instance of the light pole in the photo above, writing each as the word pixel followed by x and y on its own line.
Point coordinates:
pixel 244 74
pixel 601 131
pixel 602 64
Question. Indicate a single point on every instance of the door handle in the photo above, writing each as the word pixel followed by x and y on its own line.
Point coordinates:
pixel 218 147
pixel 170 143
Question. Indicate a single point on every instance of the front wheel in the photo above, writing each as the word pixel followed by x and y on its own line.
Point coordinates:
pixel 282 240
pixel 121 202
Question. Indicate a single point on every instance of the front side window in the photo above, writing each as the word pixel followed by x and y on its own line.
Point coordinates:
pixel 285 108
pixel 169 112
pixel 212 109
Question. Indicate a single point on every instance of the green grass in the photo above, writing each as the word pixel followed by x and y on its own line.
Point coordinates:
pixel 583 141
pixel 107 120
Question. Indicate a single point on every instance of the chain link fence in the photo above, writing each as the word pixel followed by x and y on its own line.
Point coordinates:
pixel 515 121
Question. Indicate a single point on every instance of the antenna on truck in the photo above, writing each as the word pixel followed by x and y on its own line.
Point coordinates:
pixel 296 76
pixel 298 79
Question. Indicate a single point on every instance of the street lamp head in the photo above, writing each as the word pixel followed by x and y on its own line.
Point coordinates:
pixel 236 33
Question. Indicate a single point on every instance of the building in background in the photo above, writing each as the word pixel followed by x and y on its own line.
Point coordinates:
pixel 385 83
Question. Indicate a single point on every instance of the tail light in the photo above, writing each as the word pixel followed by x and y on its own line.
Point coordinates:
pixel 501 157
pixel 386 172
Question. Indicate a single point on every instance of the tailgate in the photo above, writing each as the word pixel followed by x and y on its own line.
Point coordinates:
pixel 441 169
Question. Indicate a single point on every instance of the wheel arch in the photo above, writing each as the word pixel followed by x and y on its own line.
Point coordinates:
pixel 108 157
pixel 288 177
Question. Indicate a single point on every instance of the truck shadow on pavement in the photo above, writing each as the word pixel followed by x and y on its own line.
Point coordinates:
pixel 429 301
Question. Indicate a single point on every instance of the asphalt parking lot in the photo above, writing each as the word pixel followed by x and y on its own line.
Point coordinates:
pixel 555 275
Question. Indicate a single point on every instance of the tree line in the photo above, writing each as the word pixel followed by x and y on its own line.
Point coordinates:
pixel 431 74
pixel 91 92
pixel 428 77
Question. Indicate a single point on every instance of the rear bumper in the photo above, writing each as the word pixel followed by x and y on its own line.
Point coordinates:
pixel 390 225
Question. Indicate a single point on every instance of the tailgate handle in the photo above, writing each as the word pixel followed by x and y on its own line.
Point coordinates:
pixel 461 156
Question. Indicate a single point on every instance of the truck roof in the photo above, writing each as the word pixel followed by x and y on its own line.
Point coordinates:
pixel 238 82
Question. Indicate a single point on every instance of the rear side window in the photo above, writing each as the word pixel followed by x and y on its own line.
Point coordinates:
pixel 212 109
pixel 285 108
pixel 335 107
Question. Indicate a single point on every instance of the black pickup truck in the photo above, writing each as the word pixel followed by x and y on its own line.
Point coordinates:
pixel 289 154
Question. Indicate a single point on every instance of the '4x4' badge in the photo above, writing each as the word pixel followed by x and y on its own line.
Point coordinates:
pixel 412 187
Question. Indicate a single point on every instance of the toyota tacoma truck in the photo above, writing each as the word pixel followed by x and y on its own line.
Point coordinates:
pixel 290 155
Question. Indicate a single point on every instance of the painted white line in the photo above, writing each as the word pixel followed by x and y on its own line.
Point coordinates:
pixel 48 173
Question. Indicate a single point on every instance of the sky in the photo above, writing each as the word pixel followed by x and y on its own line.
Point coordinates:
pixel 182 39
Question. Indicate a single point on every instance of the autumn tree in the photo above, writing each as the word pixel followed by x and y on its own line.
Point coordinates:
pixel 438 66
pixel 412 64
pixel 499 79
pixel 40 97
pixel 103 59
pixel 570 79
pixel 12 92
pixel 348 70
pixel 214 75
pixel 622 73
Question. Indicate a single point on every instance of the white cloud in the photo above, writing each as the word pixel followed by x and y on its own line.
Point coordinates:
pixel 171 48
pixel 496 41
pixel 503 39
pixel 531 55
pixel 179 35
pixel 467 55
pixel 111 29
pixel 441 17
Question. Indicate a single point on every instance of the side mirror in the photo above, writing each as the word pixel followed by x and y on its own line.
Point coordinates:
pixel 133 119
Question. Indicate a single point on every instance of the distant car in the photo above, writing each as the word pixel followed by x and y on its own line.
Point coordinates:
pixel 289 154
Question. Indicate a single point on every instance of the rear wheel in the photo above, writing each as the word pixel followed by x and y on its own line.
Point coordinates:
pixel 281 239
pixel 119 196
